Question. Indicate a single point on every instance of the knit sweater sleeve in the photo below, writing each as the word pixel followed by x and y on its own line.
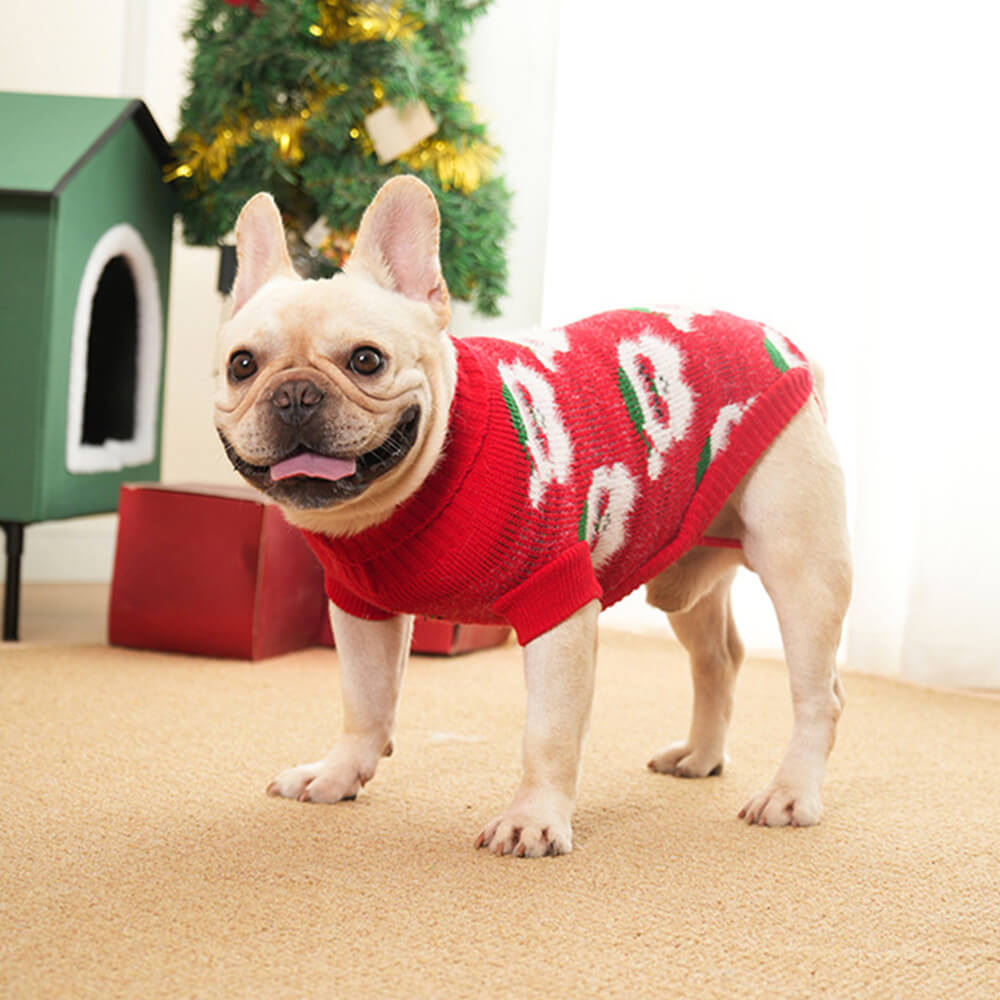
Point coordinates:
pixel 550 595
pixel 336 590
pixel 352 604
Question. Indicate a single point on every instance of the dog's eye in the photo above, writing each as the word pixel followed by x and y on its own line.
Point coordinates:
pixel 366 361
pixel 242 366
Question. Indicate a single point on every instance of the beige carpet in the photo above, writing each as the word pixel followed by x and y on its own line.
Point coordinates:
pixel 140 857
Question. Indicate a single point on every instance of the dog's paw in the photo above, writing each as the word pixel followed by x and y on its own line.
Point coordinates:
pixel 685 761
pixel 780 804
pixel 316 783
pixel 340 775
pixel 534 826
pixel 525 837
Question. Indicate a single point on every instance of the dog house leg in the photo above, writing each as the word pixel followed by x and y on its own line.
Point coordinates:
pixel 12 593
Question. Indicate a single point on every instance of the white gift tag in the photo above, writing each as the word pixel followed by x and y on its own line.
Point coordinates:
pixel 317 233
pixel 394 131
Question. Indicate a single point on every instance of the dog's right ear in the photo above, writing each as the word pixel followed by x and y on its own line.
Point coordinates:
pixel 261 252
pixel 397 244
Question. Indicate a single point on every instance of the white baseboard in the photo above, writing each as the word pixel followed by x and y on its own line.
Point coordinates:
pixel 78 550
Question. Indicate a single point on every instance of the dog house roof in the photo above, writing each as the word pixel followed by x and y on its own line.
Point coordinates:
pixel 47 138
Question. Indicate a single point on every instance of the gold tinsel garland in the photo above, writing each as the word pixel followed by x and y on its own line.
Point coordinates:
pixel 464 167
pixel 211 159
pixel 364 21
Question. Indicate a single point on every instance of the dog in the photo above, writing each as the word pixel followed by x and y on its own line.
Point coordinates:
pixel 468 479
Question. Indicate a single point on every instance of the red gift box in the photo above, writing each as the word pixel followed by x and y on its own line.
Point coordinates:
pixel 213 571
pixel 217 571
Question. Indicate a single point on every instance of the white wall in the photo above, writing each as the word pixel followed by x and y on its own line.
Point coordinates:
pixel 134 48
pixel 512 81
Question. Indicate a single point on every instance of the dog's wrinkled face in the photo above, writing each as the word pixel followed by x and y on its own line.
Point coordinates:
pixel 333 395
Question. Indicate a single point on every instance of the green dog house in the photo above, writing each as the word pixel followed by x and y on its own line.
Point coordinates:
pixel 85 234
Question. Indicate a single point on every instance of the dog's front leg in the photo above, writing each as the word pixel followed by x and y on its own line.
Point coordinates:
pixel 559 676
pixel 372 659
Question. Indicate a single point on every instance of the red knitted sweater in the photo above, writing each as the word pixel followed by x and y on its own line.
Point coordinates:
pixel 577 466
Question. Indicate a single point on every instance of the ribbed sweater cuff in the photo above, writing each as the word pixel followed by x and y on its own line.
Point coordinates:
pixel 551 595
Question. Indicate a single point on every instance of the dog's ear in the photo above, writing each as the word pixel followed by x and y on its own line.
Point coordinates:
pixel 397 244
pixel 260 248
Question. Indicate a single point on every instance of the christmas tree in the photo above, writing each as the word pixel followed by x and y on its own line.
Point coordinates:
pixel 320 102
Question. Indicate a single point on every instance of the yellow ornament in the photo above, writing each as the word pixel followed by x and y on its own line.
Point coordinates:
pixel 338 245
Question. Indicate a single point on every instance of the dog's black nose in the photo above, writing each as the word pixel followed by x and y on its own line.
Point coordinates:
pixel 296 401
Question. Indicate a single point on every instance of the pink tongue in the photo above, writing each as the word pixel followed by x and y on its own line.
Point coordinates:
pixel 315 466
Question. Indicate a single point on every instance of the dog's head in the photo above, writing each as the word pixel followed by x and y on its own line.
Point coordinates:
pixel 333 395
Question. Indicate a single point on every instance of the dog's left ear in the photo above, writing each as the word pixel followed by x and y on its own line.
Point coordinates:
pixel 397 244
pixel 261 251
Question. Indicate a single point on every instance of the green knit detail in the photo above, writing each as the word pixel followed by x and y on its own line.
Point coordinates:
pixel 775 355
pixel 515 419
pixel 703 461
pixel 632 405
pixel 581 528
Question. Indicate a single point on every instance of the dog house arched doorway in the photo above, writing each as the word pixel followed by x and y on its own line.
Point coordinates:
pixel 115 357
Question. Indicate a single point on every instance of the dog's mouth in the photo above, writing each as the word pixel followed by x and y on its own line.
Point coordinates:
pixel 309 480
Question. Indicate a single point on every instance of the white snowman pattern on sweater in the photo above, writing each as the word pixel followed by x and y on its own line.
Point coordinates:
pixel 660 404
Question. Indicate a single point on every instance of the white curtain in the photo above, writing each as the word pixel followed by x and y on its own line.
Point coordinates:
pixel 834 171
pixel 928 535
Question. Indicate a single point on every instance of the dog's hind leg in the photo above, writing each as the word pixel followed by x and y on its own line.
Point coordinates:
pixel 795 539
pixel 695 592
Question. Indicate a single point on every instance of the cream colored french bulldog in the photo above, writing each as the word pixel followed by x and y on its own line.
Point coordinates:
pixel 337 399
